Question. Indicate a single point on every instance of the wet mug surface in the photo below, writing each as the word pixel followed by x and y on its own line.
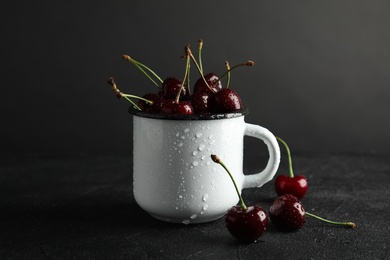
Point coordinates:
pixel 175 179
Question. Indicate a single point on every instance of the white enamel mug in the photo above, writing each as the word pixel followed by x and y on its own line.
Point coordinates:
pixel 174 177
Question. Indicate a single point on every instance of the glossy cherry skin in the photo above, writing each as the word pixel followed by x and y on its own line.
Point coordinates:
pixel 178 108
pixel 170 88
pixel 201 102
pixel 296 185
pixel 246 226
pixel 227 100
pixel 156 107
pixel 212 80
pixel 287 213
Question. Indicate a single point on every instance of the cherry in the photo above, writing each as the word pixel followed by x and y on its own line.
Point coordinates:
pixel 175 106
pixel 287 213
pixel 155 107
pixel 120 94
pixel 246 224
pixel 212 81
pixel 201 102
pixel 227 100
pixel 171 106
pixel 171 86
pixel 295 185
pixel 143 68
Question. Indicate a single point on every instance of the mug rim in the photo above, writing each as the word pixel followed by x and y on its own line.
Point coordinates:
pixel 208 116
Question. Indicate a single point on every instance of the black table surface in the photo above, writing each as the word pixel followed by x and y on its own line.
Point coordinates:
pixel 82 207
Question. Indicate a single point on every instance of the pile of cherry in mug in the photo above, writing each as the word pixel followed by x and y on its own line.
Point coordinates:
pixel 175 96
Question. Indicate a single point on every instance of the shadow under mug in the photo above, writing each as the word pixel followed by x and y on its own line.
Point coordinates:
pixel 175 179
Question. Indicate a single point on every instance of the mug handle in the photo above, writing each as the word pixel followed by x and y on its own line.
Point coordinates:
pixel 259 179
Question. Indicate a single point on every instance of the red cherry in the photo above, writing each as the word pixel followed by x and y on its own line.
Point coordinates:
pixel 246 225
pixel 177 108
pixel 201 102
pixel 296 185
pixel 157 100
pixel 287 213
pixel 212 80
pixel 170 88
pixel 227 100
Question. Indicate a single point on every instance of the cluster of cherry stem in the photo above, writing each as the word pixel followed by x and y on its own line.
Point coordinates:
pixel 186 79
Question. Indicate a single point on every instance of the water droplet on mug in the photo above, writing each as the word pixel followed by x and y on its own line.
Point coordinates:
pixel 211 137
pixel 182 137
pixel 203 157
pixel 195 163
pixel 186 222
pixel 205 197
pixel 180 144
pixel 205 207
pixel 194 153
pixel 180 196
pixel 186 130
pixel 201 147
pixel 177 134
pixel 198 135
pixel 193 216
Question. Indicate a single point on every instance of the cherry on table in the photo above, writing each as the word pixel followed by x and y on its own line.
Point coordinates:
pixel 288 214
pixel 293 184
pixel 246 224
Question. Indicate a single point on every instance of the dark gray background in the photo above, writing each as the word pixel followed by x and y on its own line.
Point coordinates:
pixel 321 79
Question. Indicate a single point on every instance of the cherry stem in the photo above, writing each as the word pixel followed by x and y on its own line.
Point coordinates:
pixel 138 97
pixel 217 160
pixel 141 67
pixel 184 78
pixel 228 73
pixel 120 94
pixel 288 156
pixel 346 224
pixel 248 63
pixel 200 55
pixel 198 68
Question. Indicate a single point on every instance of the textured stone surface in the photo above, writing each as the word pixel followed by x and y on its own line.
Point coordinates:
pixel 82 207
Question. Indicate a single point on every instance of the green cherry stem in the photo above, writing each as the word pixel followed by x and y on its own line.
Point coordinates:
pixel 120 94
pixel 141 67
pixel 185 76
pixel 228 74
pixel 288 156
pixel 345 224
pixel 217 160
pixel 248 63
pixel 138 97
pixel 200 42
pixel 188 50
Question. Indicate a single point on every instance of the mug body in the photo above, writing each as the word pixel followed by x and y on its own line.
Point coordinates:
pixel 175 179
